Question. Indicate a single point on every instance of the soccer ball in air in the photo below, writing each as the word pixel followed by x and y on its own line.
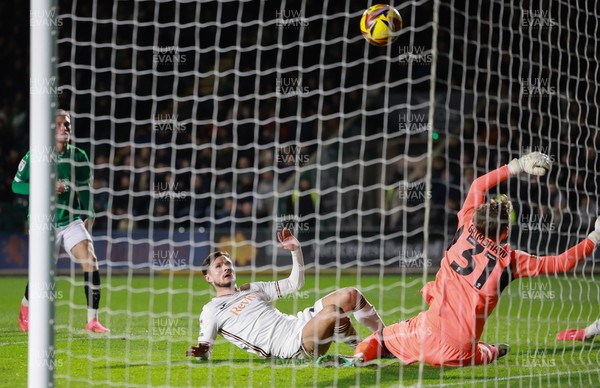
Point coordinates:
pixel 380 24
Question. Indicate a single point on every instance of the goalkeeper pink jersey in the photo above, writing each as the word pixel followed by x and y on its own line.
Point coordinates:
pixel 473 273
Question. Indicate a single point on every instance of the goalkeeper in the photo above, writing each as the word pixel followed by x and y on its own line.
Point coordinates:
pixel 73 200
pixel 244 317
pixel 474 272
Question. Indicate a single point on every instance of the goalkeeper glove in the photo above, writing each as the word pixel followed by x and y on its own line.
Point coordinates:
pixel 595 235
pixel 534 163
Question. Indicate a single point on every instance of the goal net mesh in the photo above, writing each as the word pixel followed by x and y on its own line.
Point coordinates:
pixel 215 124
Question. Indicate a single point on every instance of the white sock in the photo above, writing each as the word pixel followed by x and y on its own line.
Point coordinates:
pixel 25 302
pixel 593 329
pixel 92 313
pixel 367 315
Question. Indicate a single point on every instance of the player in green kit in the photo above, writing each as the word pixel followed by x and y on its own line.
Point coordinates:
pixel 73 203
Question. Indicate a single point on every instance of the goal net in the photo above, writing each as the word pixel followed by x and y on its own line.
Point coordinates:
pixel 215 124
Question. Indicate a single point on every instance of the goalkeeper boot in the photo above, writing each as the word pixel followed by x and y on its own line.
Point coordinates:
pixel 95 327
pixel 24 318
pixel 503 350
pixel 571 335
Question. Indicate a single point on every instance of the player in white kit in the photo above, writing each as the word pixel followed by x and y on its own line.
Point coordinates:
pixel 244 316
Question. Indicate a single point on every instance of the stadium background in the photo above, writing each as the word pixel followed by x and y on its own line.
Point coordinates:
pixel 233 162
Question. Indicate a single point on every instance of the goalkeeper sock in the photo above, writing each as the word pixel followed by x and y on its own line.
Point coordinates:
pixel 592 330
pixel 25 300
pixel 92 293
pixel 367 315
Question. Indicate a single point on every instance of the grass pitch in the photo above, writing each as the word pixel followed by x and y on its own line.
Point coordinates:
pixel 154 319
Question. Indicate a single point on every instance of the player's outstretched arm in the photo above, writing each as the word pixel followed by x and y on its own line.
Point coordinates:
pixel 531 266
pixel 208 334
pixel 295 281
pixel 534 163
pixel 292 283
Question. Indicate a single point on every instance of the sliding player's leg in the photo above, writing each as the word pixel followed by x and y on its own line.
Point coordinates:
pixel 580 334
pixel 351 300
pixel 78 242
pixel 318 332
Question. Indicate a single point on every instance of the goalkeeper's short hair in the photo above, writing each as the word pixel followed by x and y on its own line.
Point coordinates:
pixel 209 259
pixel 493 218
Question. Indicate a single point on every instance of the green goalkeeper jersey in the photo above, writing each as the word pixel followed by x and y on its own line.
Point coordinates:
pixel 73 168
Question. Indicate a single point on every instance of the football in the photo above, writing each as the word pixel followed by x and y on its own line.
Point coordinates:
pixel 380 24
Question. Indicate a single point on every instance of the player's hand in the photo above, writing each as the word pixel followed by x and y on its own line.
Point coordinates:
pixel 198 351
pixel 287 240
pixel 88 223
pixel 534 163
pixel 61 186
pixel 595 235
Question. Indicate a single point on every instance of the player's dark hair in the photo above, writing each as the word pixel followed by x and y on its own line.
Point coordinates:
pixel 492 219
pixel 210 258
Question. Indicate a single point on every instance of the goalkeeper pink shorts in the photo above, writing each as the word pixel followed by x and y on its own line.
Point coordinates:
pixel 415 337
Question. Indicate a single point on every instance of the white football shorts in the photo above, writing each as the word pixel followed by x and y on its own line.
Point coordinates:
pixel 71 235
pixel 293 343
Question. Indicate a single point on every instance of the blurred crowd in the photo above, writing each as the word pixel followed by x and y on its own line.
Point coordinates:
pixel 218 146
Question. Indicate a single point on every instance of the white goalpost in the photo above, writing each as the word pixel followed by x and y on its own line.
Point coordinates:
pixel 41 347
pixel 212 125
